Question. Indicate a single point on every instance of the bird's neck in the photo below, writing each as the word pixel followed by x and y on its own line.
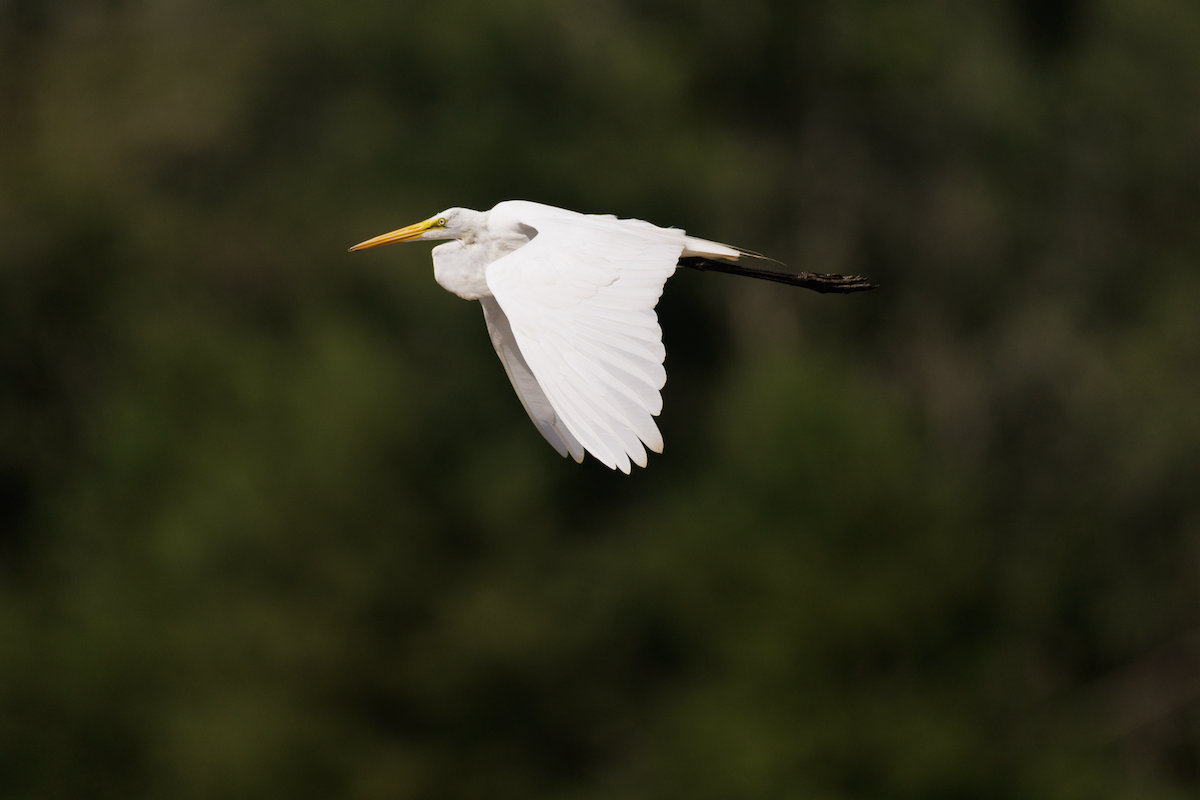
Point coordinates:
pixel 461 268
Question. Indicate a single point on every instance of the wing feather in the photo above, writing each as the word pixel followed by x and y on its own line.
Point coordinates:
pixel 580 299
pixel 621 399
pixel 641 346
pixel 586 425
pixel 530 393
pixel 622 440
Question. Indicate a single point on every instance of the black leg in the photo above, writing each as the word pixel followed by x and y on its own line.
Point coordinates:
pixel 817 281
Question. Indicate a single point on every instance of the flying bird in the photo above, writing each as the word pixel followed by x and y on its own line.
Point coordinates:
pixel 569 299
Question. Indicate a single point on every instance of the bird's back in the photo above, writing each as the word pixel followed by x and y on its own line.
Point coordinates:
pixel 523 218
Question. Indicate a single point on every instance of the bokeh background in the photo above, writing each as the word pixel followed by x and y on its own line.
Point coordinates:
pixel 273 523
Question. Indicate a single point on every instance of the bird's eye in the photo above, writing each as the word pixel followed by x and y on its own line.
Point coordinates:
pixel 441 222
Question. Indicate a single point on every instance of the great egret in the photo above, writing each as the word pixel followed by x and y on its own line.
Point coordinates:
pixel 569 299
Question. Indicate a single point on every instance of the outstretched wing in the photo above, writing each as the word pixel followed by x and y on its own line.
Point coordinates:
pixel 539 408
pixel 580 300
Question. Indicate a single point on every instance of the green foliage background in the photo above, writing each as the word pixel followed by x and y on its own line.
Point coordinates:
pixel 272 523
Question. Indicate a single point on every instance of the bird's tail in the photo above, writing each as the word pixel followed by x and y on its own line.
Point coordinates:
pixel 703 248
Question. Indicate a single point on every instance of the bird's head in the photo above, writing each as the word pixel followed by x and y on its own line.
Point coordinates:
pixel 453 223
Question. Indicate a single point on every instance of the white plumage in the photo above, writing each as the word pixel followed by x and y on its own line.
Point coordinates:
pixel 569 302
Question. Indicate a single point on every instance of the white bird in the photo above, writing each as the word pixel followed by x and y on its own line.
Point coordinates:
pixel 569 299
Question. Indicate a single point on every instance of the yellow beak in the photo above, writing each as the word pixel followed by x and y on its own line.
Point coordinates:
pixel 402 235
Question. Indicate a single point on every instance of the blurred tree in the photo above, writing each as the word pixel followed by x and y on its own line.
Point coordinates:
pixel 273 524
